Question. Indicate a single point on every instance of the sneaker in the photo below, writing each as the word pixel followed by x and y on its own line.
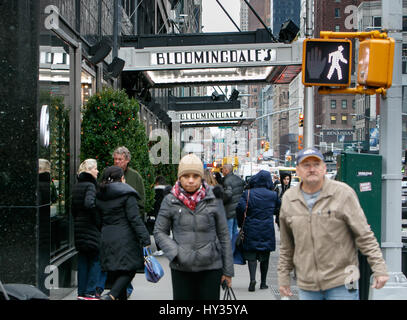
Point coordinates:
pixel 158 253
pixel 87 297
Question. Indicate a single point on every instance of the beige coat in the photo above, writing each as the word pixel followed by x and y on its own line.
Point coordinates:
pixel 322 244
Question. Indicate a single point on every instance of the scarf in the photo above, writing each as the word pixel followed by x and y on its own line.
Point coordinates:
pixel 190 200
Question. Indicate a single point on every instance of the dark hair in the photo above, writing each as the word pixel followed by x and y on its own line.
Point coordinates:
pixel 160 180
pixel 110 175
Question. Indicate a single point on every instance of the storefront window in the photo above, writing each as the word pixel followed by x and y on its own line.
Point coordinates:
pixel 54 83
pixel 88 84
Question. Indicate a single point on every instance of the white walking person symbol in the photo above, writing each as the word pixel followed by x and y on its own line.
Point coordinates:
pixel 334 58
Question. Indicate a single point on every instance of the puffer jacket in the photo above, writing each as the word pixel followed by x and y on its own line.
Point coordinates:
pixel 322 244
pixel 259 234
pixel 201 238
pixel 123 231
pixel 87 222
pixel 233 188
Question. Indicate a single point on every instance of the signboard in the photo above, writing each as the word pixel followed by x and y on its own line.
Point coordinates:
pixel 327 62
pixel 213 115
pixel 223 63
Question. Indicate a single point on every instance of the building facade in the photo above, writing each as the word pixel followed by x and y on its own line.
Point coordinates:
pixel 49 71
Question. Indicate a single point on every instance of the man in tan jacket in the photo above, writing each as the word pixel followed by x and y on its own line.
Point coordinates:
pixel 321 227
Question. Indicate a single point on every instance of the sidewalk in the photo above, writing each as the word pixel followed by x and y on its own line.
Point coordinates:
pixel 144 290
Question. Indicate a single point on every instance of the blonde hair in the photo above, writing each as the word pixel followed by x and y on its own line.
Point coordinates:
pixel 87 165
pixel 209 178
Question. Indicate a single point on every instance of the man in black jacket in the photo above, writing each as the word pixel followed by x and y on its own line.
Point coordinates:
pixel 233 189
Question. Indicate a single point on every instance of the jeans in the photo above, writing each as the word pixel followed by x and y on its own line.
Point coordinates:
pixel 232 226
pixel 100 285
pixel 337 293
pixel 89 271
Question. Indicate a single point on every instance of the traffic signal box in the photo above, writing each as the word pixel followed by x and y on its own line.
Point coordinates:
pixel 301 120
pixel 326 62
pixel 375 65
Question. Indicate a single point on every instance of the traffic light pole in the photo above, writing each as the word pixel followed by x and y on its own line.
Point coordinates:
pixel 390 149
pixel 309 91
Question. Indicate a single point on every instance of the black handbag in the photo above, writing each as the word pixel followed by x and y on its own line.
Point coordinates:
pixel 240 237
pixel 229 294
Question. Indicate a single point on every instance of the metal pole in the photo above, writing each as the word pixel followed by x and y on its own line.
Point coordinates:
pixel 309 91
pixel 230 18
pixel 261 21
pixel 390 149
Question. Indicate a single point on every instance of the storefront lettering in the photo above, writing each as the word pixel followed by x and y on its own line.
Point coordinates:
pixel 211 115
pixel 212 56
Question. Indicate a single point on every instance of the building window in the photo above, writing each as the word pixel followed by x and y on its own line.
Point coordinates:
pixel 344 104
pixel 337 12
pixel 333 118
pixel 333 104
pixel 344 119
pixel 376 22
pixel 337 28
pixel 353 104
pixel 404 23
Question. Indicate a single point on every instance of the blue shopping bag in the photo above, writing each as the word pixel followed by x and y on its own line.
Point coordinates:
pixel 152 268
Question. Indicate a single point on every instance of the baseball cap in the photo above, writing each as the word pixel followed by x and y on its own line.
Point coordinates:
pixel 307 153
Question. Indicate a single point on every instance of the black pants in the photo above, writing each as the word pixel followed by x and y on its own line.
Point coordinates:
pixel 203 285
pixel 120 280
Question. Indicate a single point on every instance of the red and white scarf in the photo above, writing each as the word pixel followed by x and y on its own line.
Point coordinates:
pixel 190 200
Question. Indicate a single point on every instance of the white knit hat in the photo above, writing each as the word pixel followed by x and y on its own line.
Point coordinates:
pixel 190 164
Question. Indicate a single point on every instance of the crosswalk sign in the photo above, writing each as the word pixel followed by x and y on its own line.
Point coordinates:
pixel 327 62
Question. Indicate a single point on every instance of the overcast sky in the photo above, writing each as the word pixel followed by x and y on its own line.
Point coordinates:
pixel 214 18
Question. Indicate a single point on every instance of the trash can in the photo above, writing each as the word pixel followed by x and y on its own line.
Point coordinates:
pixel 363 173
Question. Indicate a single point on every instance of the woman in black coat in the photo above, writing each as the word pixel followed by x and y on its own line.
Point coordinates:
pixel 258 225
pixel 87 224
pixel 123 232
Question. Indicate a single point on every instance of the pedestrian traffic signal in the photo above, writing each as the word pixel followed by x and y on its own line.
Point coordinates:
pixel 267 146
pixel 326 62
pixel 301 120
pixel 375 63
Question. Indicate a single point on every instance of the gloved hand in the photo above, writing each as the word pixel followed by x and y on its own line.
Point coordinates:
pixel 218 191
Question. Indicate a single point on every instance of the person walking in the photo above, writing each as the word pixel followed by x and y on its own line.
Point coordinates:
pixel 233 188
pixel 258 224
pixel 281 189
pixel 122 158
pixel 123 232
pixel 321 227
pixel 87 225
pixel 200 251
pixel 161 189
